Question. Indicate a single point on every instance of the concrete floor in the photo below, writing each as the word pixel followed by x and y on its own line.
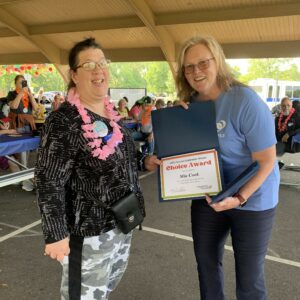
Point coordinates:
pixel 161 265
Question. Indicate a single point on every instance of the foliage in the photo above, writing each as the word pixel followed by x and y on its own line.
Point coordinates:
pixel 41 76
pixel 156 77
pixel 276 68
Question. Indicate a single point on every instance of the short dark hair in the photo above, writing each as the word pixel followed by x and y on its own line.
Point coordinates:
pixel 17 77
pixel 74 52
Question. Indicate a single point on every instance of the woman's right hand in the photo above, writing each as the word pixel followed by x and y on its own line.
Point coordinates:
pixel 152 162
pixel 58 250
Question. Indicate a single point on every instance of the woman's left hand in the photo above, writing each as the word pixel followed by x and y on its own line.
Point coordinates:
pixel 225 204
pixel 152 162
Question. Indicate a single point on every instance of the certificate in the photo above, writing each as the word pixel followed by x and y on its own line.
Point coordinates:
pixel 190 175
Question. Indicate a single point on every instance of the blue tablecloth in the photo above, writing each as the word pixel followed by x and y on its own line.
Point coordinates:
pixel 131 125
pixel 296 138
pixel 11 145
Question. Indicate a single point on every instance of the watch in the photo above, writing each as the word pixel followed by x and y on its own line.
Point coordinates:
pixel 242 200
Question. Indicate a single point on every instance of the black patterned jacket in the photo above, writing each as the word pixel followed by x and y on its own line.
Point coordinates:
pixel 73 187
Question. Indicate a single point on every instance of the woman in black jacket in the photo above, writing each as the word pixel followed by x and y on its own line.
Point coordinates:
pixel 86 162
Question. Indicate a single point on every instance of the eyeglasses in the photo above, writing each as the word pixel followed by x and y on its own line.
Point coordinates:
pixel 91 65
pixel 201 65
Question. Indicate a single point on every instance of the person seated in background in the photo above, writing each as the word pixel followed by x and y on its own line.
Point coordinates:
pixel 136 109
pixel 4 107
pixel 40 95
pixel 145 132
pixel 39 114
pixel 160 103
pixel 6 164
pixel 5 127
pixel 127 103
pixel 122 108
pixel 296 106
pixel 287 125
pixel 57 101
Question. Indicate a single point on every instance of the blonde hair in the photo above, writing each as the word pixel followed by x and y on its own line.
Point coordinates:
pixel 224 79
pixel 122 100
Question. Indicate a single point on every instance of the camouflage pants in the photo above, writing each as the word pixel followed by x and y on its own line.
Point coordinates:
pixel 103 262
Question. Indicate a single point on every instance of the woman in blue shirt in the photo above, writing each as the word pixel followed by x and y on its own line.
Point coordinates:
pixel 246 133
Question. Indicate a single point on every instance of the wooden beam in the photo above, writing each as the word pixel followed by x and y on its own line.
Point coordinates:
pixel 182 17
pixel 128 55
pixel 6 32
pixel 237 50
pixel 262 50
pixel 163 37
pixel 229 14
pixel 87 25
pixel 45 46
pixel 4 2
pixel 23 58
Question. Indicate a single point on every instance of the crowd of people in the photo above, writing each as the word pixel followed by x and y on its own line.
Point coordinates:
pixel 22 113
pixel 87 162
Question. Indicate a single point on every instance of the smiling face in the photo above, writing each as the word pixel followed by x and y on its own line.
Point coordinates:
pixel 202 79
pixel 91 85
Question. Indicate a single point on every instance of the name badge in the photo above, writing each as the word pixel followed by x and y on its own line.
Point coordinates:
pixel 100 128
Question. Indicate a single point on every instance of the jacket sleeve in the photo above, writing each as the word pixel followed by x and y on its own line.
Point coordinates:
pixel 55 161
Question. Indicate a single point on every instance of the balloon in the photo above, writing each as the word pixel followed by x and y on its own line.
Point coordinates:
pixel 22 68
pixel 50 69
pixel 28 67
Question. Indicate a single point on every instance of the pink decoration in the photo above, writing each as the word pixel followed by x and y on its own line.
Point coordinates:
pixel 88 128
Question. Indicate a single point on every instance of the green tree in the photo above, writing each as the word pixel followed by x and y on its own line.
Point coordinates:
pixel 155 76
pixel 270 68
pixel 127 75
pixel 159 78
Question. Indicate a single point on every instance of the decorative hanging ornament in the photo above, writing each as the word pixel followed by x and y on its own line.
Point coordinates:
pixel 93 133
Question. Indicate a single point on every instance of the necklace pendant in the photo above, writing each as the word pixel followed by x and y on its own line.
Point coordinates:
pixel 100 128
pixel 25 110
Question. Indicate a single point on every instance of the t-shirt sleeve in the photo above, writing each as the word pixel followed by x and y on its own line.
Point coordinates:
pixel 257 123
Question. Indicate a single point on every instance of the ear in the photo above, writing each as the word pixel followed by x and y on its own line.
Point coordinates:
pixel 74 76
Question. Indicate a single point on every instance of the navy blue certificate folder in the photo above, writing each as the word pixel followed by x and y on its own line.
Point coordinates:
pixel 179 131
pixel 237 183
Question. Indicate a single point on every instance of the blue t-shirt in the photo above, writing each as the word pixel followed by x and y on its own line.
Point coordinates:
pixel 246 125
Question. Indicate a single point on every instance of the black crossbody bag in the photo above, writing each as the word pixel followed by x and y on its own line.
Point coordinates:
pixel 127 213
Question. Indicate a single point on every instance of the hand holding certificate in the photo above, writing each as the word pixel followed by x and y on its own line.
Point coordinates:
pixel 187 143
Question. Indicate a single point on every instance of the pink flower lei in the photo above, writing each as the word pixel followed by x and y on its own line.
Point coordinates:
pixel 94 141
